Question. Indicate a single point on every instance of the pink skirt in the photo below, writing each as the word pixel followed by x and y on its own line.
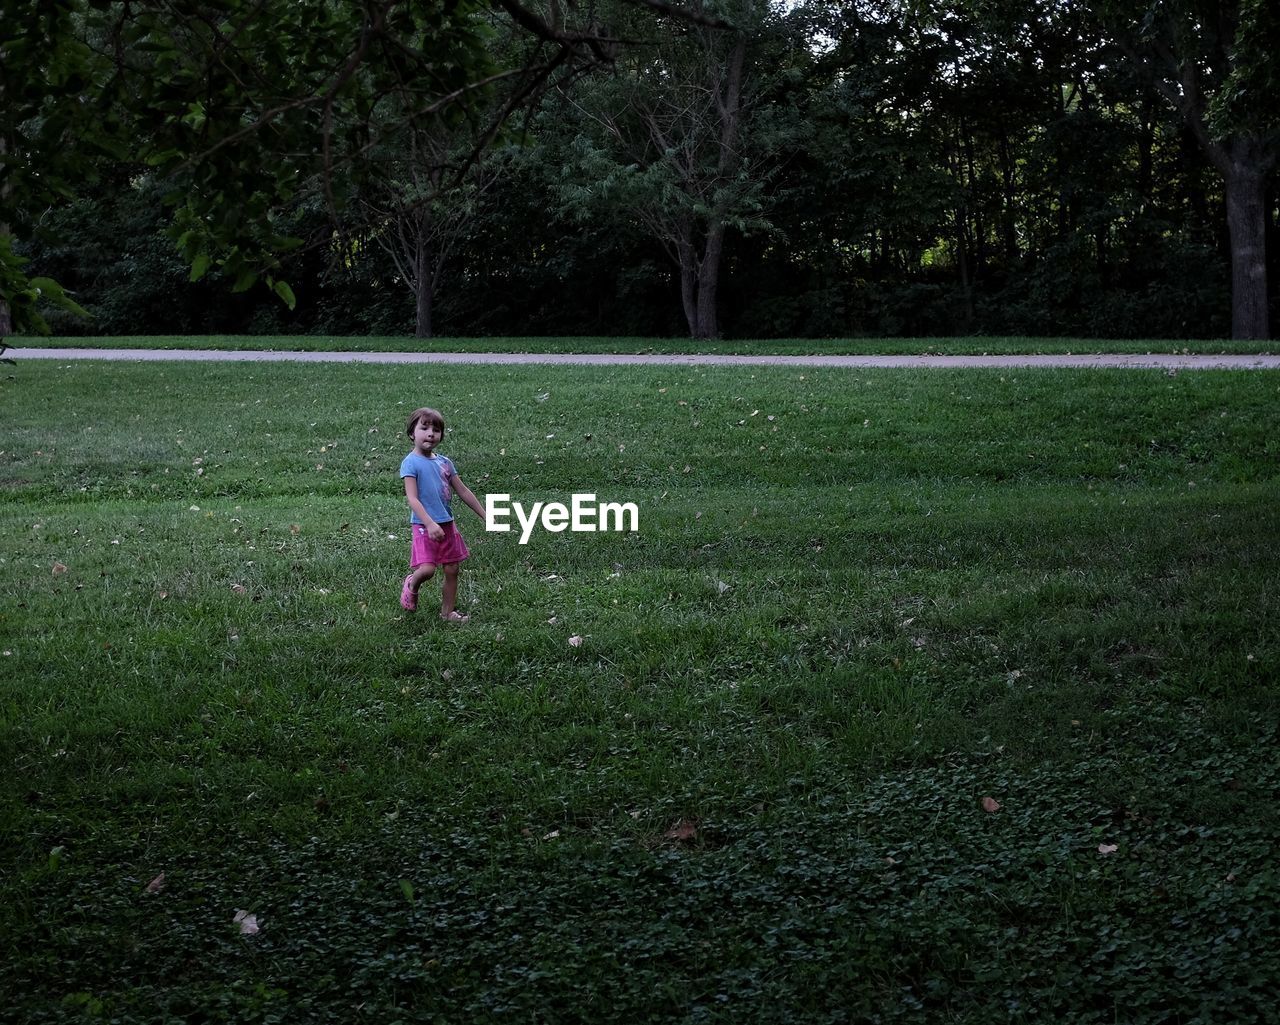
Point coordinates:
pixel 450 548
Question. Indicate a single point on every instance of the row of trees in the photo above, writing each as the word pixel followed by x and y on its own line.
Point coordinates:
pixel 828 167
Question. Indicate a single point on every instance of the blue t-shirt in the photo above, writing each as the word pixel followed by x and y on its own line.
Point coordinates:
pixel 435 484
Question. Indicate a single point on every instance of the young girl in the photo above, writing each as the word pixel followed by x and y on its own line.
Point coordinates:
pixel 430 482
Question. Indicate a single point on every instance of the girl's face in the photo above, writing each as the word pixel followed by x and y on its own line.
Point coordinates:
pixel 426 436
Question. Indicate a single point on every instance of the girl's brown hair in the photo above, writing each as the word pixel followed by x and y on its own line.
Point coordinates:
pixel 430 415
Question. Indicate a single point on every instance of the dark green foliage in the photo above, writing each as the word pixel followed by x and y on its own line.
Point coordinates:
pixel 935 169
pixel 898 899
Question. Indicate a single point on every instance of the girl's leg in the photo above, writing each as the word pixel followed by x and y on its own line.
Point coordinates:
pixel 449 593
pixel 421 575
pixel 409 593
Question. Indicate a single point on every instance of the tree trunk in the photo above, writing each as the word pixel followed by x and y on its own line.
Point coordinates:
pixel 708 325
pixel 700 283
pixel 423 283
pixel 1246 190
pixel 422 327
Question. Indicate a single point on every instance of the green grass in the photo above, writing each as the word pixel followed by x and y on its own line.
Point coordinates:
pixel 836 631
pixel 794 346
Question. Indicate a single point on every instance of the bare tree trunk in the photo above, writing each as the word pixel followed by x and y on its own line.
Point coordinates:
pixel 1244 162
pixel 700 283
pixel 423 287
pixel 422 327
pixel 1246 191
pixel 708 325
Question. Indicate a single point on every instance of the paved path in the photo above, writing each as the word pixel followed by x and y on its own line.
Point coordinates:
pixel 1157 361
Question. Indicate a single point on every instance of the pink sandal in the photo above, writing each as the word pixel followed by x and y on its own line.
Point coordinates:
pixel 407 598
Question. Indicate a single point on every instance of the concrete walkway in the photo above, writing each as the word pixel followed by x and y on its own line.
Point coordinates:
pixel 1152 361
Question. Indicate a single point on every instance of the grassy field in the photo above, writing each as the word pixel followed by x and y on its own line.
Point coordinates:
pixel 793 346
pixel 941 696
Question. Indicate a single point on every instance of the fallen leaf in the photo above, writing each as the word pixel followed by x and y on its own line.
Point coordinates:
pixel 1107 848
pixel 248 923
pixel 295 528
pixel 552 835
pixel 575 641
pixel 682 832
pixel 156 884
pixel 990 804
pixel 238 588
pixel 58 568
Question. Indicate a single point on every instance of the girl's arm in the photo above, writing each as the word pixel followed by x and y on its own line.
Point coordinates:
pixel 466 495
pixel 434 530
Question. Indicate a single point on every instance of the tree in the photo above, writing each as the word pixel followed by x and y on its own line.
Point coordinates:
pixel 244 105
pixel 668 138
pixel 46 69
pixel 417 215
pixel 1213 61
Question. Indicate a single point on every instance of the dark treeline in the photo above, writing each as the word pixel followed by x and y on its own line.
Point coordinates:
pixel 832 169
